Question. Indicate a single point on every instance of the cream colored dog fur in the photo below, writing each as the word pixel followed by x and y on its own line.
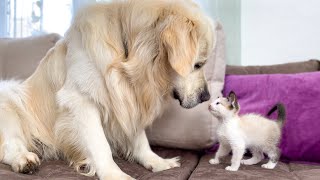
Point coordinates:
pixel 96 91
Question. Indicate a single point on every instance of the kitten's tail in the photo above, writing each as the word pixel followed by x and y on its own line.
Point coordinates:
pixel 281 113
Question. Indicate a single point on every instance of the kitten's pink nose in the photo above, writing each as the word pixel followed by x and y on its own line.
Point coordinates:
pixel 210 107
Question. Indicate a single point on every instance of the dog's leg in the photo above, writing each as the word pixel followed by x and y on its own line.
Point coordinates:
pixel 222 151
pixel 90 134
pixel 14 147
pixel 146 157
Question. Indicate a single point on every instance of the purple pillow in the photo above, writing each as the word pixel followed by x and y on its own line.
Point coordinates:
pixel 300 93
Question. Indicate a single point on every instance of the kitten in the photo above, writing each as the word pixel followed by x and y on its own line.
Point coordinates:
pixel 250 131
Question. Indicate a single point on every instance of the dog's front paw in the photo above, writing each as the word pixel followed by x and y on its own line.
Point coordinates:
pixel 26 163
pixel 230 168
pixel 214 161
pixel 163 164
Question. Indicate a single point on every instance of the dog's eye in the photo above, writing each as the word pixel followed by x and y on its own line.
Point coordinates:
pixel 198 65
pixel 217 103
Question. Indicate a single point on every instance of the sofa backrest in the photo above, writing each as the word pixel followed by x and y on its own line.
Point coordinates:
pixel 287 68
pixel 3 44
pixel 20 57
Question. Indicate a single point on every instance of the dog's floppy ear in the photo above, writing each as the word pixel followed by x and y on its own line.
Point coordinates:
pixel 179 40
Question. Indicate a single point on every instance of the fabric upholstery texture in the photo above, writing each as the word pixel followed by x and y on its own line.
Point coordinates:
pixel 59 170
pixel 192 128
pixel 300 93
pixel 283 171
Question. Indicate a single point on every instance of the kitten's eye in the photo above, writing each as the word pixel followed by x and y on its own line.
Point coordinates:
pixel 198 66
pixel 217 103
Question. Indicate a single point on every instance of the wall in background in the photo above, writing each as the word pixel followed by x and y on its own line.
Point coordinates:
pixel 228 13
pixel 3 21
pixel 263 32
pixel 258 32
pixel 279 31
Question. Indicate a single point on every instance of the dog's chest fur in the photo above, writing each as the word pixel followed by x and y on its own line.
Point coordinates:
pixel 126 109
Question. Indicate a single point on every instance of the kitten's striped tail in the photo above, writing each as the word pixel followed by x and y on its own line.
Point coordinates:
pixel 281 113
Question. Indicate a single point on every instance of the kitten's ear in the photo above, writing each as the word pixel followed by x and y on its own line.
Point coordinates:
pixel 234 100
pixel 232 96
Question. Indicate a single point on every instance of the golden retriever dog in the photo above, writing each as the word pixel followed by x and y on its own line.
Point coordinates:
pixel 95 92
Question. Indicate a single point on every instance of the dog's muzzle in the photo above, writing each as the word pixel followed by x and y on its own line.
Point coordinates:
pixel 204 96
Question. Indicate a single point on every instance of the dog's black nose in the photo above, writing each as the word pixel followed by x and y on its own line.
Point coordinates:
pixel 176 95
pixel 204 96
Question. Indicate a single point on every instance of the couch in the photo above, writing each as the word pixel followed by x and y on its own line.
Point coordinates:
pixel 194 164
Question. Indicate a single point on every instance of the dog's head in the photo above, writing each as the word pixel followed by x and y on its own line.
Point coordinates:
pixel 187 39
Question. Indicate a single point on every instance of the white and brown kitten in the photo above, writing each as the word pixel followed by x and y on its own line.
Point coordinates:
pixel 250 131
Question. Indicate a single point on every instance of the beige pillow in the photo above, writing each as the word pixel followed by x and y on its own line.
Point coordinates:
pixel 19 57
pixel 193 128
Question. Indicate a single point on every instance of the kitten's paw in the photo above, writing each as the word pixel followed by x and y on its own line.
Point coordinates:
pixel 214 161
pixel 248 162
pixel 230 168
pixel 251 161
pixel 269 165
pixel 243 161
pixel 26 163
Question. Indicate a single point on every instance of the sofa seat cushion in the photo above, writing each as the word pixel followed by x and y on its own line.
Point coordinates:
pixel 282 171
pixel 60 170
pixel 189 161
pixel 48 170
pixel 305 171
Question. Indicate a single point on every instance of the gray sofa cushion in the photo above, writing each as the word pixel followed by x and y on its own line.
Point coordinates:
pixel 287 68
pixel 59 170
pixel 282 171
pixel 20 57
